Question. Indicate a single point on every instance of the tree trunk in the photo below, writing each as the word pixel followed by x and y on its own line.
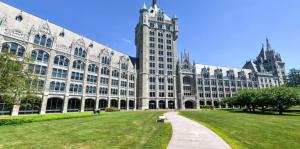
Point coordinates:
pixel 280 112
pixel 263 109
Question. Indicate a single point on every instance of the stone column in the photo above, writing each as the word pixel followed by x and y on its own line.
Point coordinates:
pixel 167 101
pixel 97 103
pixel 44 104
pixel 65 106
pixel 127 104
pixel 82 104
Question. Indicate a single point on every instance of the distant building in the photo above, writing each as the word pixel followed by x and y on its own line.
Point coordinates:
pixel 78 74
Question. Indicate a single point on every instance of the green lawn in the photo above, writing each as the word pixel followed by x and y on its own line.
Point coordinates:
pixel 110 130
pixel 255 131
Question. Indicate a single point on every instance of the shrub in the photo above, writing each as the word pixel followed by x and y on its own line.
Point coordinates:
pixel 206 107
pixel 38 118
pixel 111 109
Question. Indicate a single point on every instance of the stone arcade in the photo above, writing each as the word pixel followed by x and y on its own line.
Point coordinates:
pixel 78 74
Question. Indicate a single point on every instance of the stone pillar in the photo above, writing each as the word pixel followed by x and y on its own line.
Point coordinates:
pixel 119 103
pixel 44 104
pixel 82 104
pixel 167 101
pixel 197 105
pixel 15 110
pixel 157 102
pixel 108 102
pixel 65 107
pixel 135 104
pixel 97 103
pixel 127 104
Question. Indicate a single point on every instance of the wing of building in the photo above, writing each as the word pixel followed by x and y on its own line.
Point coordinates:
pixel 78 74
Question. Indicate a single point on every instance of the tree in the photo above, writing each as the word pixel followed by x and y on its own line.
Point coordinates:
pixel 283 97
pixel 16 82
pixel 294 78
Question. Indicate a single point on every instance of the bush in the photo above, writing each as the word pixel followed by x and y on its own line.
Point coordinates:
pixel 206 107
pixel 38 118
pixel 111 109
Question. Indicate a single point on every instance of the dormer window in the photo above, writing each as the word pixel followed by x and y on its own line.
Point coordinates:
pixel 91 45
pixel 19 17
pixel 62 34
pixel 43 41
pixel 80 52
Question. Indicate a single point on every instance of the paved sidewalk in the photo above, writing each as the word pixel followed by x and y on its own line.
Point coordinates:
pixel 188 134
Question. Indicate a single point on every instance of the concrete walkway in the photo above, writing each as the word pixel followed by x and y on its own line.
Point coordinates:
pixel 188 134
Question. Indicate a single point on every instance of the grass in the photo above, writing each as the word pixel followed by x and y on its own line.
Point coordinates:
pixel 252 130
pixel 110 130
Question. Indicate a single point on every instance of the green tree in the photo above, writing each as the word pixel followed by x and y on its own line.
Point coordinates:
pixel 283 97
pixel 16 82
pixel 294 78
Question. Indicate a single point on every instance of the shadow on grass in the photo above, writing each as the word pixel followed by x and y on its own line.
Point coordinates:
pixel 286 113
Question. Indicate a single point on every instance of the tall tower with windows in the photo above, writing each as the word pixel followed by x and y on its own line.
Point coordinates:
pixel 155 39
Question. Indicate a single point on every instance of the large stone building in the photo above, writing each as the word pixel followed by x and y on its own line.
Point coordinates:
pixel 78 74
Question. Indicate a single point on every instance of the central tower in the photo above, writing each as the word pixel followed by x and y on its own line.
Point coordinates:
pixel 155 39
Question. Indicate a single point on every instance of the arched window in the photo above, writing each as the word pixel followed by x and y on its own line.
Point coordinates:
pixel 105 71
pixel 61 61
pixel 49 43
pixel 124 66
pixel 13 48
pixel 115 73
pixel 40 55
pixel 132 77
pixel 43 40
pixel 37 39
pixel 78 64
pixel 80 52
pixel 57 86
pixel 93 68
pixel 105 60
pixel 124 75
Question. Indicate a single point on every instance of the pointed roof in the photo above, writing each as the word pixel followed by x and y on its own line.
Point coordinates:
pixel 144 7
pixel 268 44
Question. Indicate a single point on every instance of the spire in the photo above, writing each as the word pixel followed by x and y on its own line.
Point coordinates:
pixel 154 2
pixel 144 6
pixel 268 44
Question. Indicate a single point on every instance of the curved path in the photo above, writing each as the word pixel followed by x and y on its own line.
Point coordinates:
pixel 188 134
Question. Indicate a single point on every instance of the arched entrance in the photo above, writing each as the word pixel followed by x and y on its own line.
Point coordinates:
pixel 89 105
pixel 5 109
pixel 74 105
pixel 216 104
pixel 190 105
pixel 171 104
pixel 30 107
pixel 103 104
pixel 162 104
pixel 131 104
pixel 54 105
pixel 114 103
pixel 208 103
pixel 123 104
pixel 152 104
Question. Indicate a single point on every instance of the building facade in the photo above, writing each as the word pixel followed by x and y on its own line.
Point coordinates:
pixel 78 74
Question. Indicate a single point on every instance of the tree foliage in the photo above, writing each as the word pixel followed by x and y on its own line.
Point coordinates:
pixel 278 98
pixel 16 82
pixel 294 78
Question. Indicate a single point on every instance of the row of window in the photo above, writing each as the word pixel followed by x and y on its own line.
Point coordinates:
pixel 160 94
pixel 78 88
pixel 42 56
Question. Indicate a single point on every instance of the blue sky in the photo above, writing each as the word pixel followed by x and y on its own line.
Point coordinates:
pixel 216 32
